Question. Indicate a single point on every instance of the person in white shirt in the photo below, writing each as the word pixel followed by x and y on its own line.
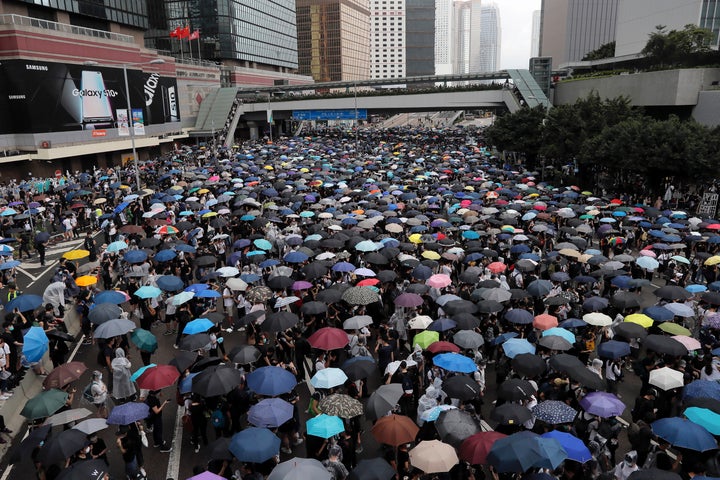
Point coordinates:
pixel 228 304
pixel 627 466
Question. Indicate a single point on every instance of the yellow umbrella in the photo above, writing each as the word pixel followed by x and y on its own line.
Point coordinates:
pixel 76 254
pixel 86 281
pixel 675 329
pixel 125 187
pixel 268 167
pixel 202 191
pixel 415 238
pixel 209 214
pixel 714 260
pixel 641 319
pixel 430 255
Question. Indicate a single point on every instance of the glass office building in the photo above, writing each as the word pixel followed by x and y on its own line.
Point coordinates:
pixel 97 14
pixel 249 32
pixel 334 39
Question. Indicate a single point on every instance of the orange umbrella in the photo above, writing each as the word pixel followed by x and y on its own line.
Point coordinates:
pixel 86 281
pixel 395 430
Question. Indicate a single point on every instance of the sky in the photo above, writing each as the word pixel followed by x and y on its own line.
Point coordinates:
pixel 516 24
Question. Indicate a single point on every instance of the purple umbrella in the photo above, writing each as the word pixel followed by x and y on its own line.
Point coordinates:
pixel 602 404
pixel 408 300
pixel 128 413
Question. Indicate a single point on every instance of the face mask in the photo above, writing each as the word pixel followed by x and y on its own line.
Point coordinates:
pixel 11 328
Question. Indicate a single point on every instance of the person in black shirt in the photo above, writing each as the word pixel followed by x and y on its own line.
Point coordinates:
pixel 155 418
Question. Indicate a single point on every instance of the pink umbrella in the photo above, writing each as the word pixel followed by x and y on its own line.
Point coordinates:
pixel 689 342
pixel 545 321
pixel 439 280
pixel 409 300
pixel 328 338
pixel 497 267
pixel 214 178
pixel 301 285
pixel 648 253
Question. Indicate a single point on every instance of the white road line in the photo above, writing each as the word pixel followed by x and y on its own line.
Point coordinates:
pixel 173 469
pixel 24 272
pixel 42 274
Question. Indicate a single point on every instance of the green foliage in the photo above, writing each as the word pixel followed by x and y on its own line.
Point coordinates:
pixel 518 132
pixel 603 51
pixel 677 47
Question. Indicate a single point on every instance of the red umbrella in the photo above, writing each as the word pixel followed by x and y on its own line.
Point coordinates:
pixel 443 346
pixel 497 267
pixel 158 377
pixel 545 321
pixel 328 338
pixel 368 282
pixel 475 448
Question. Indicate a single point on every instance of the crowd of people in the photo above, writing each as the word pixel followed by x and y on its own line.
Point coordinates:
pixel 418 269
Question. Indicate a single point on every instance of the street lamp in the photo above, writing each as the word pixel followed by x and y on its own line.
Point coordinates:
pixel 157 61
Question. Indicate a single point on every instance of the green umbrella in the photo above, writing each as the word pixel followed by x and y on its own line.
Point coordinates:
pixel 424 339
pixel 44 404
pixel 674 329
pixel 144 340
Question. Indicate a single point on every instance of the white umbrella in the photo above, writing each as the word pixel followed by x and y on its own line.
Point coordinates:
pixel 357 322
pixel 680 309
pixel 393 366
pixel 597 319
pixel 236 284
pixel 227 272
pixel 421 322
pixel 666 378
pixel 432 456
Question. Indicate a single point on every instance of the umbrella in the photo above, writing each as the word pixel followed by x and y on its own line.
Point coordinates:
pixel 170 283
pixel 602 404
pixel 702 389
pixel 144 340
pixel 630 330
pixel 433 456
pixel 395 430
pixel 475 448
pixel 67 416
pixel 554 412
pixel 64 445
pixel 76 254
pixel 355 323
pixel 128 413
pixel 468 339
pixel 114 328
pixel 91 425
pixel 328 378
pixel 328 338
pixel 271 381
pixel 408 300
pixel 148 291
pixel 34 438
pixel 281 321
pixel 183 360
pixel 270 413
pixel 199 325
pixel 382 400
pixel 516 346
pixel 641 319
pixel 360 296
pixel 216 380
pixel 359 367
pixel 103 312
pixel 24 303
pixel 194 342
pixel 426 338
pixel 461 387
pixel 454 362
pixel 597 319
pixel 456 425
pixel 341 405
pixel 254 445
pixel 515 389
pixel 220 449
pixel 207 475
pixel 324 426
pixel 443 346
pixel 667 345
pixel 300 469
pixel 64 374
pixel 86 280
pixel 528 364
pixel 44 404
pixel 613 349
pixel 35 344
pixel 681 432
pixel 372 469
pixel 524 450
pixel 575 448
pixel 657 474
pixel 258 294
pixel 511 414
pixel 158 377
pixel 110 296
pixel 135 256
pixel 666 378
pixel 705 418
pixel 245 354
pixel 554 342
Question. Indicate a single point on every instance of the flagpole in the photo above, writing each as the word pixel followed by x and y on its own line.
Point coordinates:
pixel 190 47
pixel 199 50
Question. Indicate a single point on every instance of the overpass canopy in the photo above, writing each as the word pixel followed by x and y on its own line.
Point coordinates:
pixel 529 88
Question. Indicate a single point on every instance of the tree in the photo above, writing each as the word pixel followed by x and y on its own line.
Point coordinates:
pixel 518 132
pixel 606 50
pixel 677 47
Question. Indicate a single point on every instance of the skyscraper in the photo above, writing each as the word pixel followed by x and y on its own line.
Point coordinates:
pixel 535 39
pixel 334 39
pixel 572 28
pixel 490 38
pixel 466 36
pixel 387 38
pixel 444 34
pixel 419 37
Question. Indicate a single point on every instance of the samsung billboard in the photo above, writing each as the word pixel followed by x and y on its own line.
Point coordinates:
pixel 39 97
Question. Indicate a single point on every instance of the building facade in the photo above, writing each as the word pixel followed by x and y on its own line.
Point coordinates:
pixel 490 38
pixel 569 29
pixel 387 39
pixel 419 38
pixel 535 38
pixel 444 34
pixel 333 39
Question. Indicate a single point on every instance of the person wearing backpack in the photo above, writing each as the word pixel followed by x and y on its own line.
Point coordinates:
pixel 155 419
pixel 97 394
pixel 219 418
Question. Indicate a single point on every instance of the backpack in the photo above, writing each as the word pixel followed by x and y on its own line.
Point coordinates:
pixel 217 418
pixel 87 394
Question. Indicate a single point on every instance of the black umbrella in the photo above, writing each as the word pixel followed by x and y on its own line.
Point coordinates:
pixel 529 364
pixel 672 292
pixel 459 306
pixel 62 446
pixel 251 317
pixel 42 237
pixel 586 378
pixel 29 443
pixel 183 360
pixel 329 295
pixel 372 469
pixel 382 400
pixel 220 449
pixel 703 402
pixel 279 321
pixel 57 334
pixel 564 362
pixel 215 381
pixel 511 414
pixel 667 345
pixel 386 275
pixel 654 474
pixel 151 242
pixel 314 308
pixel 204 363
pixel 359 368
pixel 245 354
pixel 461 387
pixel 466 321
pixel 624 300
pixel 490 306
pixel 85 470
pixel 630 330
pixel 103 312
pixel 515 389
pixel 455 425
pixel 194 342
pixel 205 261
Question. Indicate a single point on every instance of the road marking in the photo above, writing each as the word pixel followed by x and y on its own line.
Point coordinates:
pixel 24 272
pixel 42 274
pixel 173 469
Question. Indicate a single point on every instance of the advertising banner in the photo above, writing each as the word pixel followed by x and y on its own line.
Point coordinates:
pixel 123 122
pixel 39 97
pixel 137 120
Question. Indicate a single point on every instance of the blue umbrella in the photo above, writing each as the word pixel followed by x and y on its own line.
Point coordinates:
pixel 208 294
pixel 185 385
pixel 35 344
pixel 575 448
pixel 148 291
pixel 519 316
pixel 442 324
pixel 165 255
pixel 573 323
pixel 343 267
pixel 128 413
pixel 702 389
pixel 516 346
pixel 454 362
pixel 613 349
pixel 295 257
pixel 504 337
pixel 325 426
pixel 135 256
pixel 254 445
pixel 110 296
pixel 9 265
pixel 659 314
pixel 115 247
pixel 199 325
pixel 271 381
pixel 140 371
pixel 185 248
pixel 262 244
pixel 681 432
pixel 121 207
pixel 270 412
pixel 524 450
pixel 705 418
pixel 24 303
pixel 328 378
pixel 197 287
pixel 560 332
pixel 170 283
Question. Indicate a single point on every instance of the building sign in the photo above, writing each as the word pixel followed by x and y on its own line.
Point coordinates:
pixel 99 133
pixel 708 205
pixel 38 97
pixel 349 114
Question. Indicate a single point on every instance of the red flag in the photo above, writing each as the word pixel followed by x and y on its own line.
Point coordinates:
pixel 195 35
pixel 176 33
pixel 184 32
